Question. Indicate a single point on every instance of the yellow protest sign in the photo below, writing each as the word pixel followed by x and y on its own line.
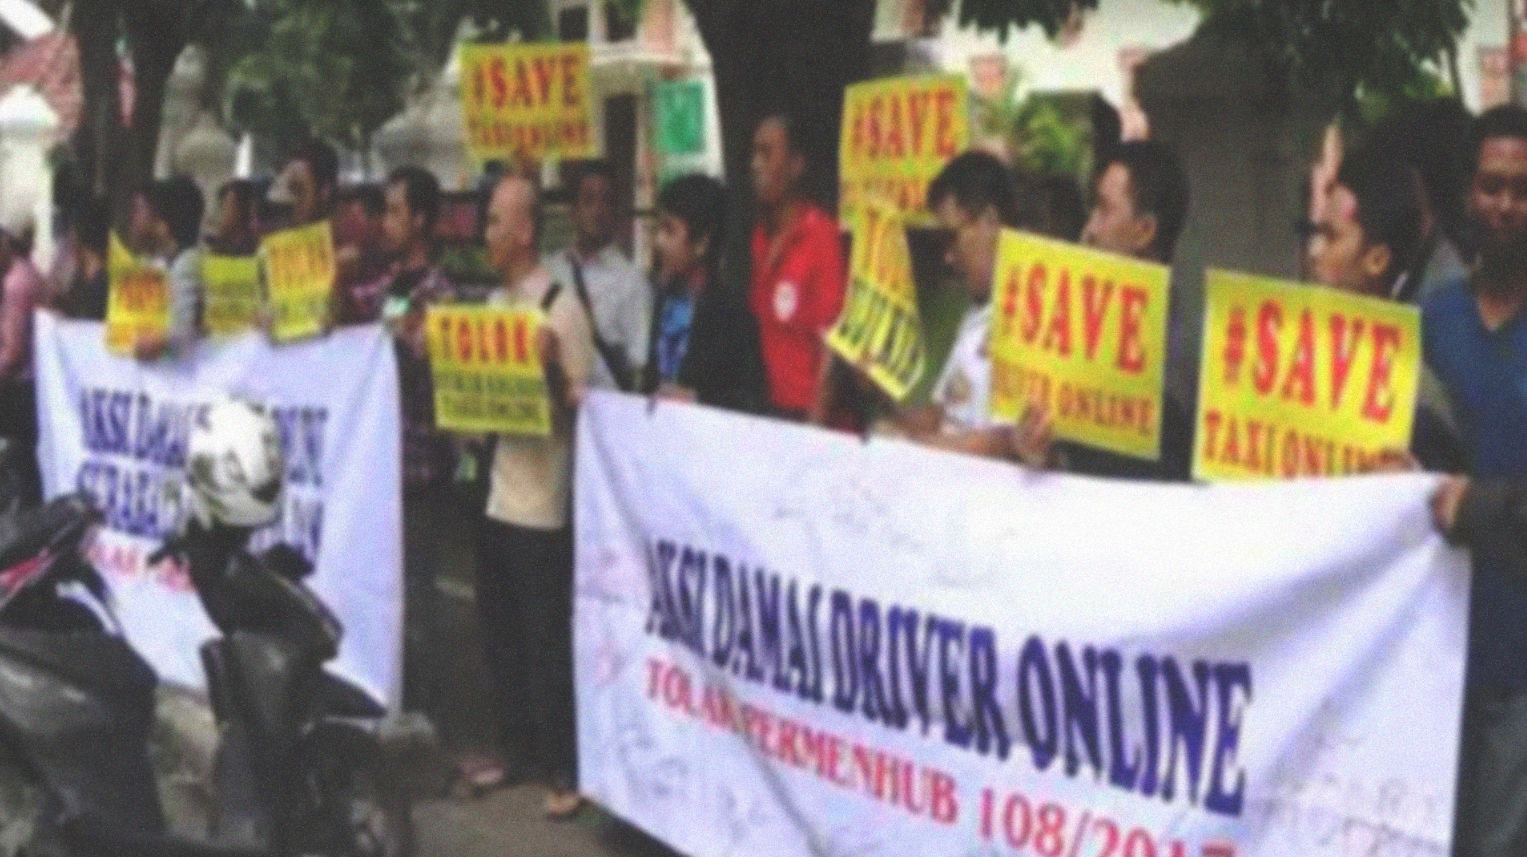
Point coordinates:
pixel 527 101
pixel 1083 333
pixel 879 329
pixel 232 287
pixel 137 300
pixel 487 370
pixel 897 134
pixel 1300 380
pixel 299 272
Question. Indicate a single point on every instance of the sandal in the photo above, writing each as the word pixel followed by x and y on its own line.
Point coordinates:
pixel 562 804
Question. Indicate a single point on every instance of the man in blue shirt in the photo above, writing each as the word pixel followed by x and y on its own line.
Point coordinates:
pixel 1474 334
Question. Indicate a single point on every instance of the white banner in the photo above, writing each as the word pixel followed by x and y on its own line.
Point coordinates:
pixel 117 428
pixel 791 641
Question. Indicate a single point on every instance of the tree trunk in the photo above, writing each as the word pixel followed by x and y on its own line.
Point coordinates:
pixel 156 34
pixel 94 25
pixel 768 55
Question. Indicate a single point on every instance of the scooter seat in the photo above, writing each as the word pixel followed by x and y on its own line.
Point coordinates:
pixel 103 663
pixel 27 533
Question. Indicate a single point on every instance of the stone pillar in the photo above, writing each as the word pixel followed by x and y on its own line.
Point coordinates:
pixel 28 128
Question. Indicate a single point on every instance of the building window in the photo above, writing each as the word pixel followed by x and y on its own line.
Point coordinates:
pixel 619 21
pixel 573 24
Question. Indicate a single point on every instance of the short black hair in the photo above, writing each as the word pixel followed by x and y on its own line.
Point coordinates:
pixel 92 224
pixel 976 181
pixel 790 123
pixel 246 191
pixel 699 201
pixel 178 202
pixel 1053 205
pixel 581 170
pixel 321 159
pixel 1390 204
pixel 368 196
pixel 1507 120
pixel 421 190
pixel 1433 137
pixel 1158 186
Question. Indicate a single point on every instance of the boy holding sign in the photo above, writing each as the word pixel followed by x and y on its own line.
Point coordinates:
pixel 169 229
pixel 300 262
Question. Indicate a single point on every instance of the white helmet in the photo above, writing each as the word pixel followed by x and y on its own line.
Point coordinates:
pixel 234 465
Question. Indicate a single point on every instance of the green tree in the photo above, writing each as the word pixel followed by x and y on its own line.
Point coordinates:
pixel 337 68
pixel 1348 49
pixel 114 155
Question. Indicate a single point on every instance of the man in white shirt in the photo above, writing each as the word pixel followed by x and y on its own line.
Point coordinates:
pixel 525 554
pixel 973 198
pixel 614 294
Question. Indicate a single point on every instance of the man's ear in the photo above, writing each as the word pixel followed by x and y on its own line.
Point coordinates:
pixel 1145 234
pixel 1375 260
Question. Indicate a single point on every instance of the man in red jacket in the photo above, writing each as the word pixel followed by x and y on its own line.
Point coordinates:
pixel 798 274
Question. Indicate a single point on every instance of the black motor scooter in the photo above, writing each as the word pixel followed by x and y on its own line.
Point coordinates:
pixel 298 769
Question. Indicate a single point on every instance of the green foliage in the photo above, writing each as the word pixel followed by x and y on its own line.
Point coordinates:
pixel 1376 46
pixel 1049 140
pixel 1001 16
pixel 338 67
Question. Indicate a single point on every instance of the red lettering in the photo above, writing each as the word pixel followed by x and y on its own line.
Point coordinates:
pixel 498 82
pixel 1344 339
pixel 524 93
pixel 1300 383
pixel 1010 298
pixel 1131 348
pixel 917 114
pixel 572 93
pixel 521 345
pixel 1265 373
pixel 873 121
pixel 942 806
pixel 948 146
pixel 895 133
pixel 1058 331
pixel 1034 301
pixel 1094 306
pixel 1379 402
pixel 500 341
pixel 463 341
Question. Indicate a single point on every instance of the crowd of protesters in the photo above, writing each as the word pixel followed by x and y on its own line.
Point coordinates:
pixel 1429 209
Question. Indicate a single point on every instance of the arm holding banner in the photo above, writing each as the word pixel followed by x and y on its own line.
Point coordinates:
pixel 23 291
pixel 566 342
pixel 1486 515
pixel 186 292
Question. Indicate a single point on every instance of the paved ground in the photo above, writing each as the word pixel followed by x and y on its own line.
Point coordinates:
pixel 506 822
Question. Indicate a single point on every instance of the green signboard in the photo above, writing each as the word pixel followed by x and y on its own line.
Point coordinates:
pixel 681 117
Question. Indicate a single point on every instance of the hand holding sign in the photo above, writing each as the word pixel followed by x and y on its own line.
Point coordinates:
pixel 1300 380
pixel 879 332
pixel 138 301
pixel 299 271
pixel 487 369
pixel 528 101
pixel 1082 333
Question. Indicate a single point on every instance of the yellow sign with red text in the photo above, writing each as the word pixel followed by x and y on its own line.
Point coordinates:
pixel 880 330
pixel 897 134
pixel 1301 380
pixel 299 273
pixel 1083 333
pixel 138 299
pixel 487 370
pixel 528 101
pixel 232 285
